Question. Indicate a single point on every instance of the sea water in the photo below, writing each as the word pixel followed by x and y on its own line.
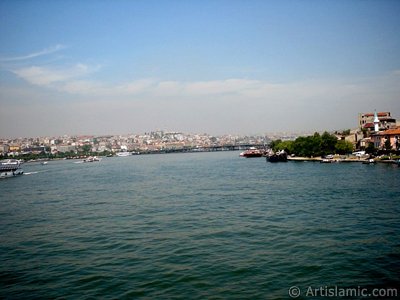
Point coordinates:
pixel 197 226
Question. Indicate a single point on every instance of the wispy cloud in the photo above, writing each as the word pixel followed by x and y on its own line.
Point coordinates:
pixel 45 51
pixel 231 105
pixel 95 88
pixel 75 80
pixel 43 76
pixel 186 98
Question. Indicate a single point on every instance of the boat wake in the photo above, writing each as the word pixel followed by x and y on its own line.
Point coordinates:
pixel 31 173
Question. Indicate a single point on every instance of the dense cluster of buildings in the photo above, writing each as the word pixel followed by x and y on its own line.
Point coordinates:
pixel 378 129
pixel 148 142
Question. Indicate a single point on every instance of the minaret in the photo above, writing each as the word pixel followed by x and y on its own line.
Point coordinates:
pixel 376 122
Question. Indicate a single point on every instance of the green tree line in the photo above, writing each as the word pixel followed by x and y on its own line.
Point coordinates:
pixel 314 145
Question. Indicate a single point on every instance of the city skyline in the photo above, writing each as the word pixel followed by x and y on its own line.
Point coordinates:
pixel 240 67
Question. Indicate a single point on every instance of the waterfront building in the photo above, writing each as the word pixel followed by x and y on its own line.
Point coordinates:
pixel 35 149
pixel 4 149
pixel 373 121
pixel 66 148
pixel 14 148
pixel 363 143
pixel 393 135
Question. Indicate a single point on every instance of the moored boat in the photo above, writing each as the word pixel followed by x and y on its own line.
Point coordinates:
pixel 91 159
pixel 280 156
pixel 10 168
pixel 123 154
pixel 252 152
pixel 326 161
pixel 369 161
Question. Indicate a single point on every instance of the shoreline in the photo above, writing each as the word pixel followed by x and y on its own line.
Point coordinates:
pixel 334 160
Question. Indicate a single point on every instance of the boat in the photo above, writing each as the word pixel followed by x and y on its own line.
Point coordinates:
pixel 123 154
pixel 252 152
pixel 10 168
pixel 369 161
pixel 91 159
pixel 326 161
pixel 280 156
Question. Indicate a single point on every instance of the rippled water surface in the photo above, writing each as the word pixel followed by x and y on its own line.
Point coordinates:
pixel 196 226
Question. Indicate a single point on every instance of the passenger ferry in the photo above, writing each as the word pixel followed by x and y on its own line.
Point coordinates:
pixel 10 168
pixel 252 152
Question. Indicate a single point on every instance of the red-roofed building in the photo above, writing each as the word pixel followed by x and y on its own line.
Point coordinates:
pixel 366 121
pixel 393 135
pixel 369 126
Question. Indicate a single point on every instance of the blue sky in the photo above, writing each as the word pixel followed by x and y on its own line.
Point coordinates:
pixel 80 67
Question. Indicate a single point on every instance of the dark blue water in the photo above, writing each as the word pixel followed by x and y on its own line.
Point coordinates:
pixel 197 226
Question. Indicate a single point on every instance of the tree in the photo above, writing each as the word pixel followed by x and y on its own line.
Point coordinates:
pixel 274 144
pixel 86 148
pixel 346 132
pixel 282 145
pixel 287 146
pixel 314 145
pixel 343 147
pixel 370 148
pixel 387 145
pixel 303 146
pixel 328 143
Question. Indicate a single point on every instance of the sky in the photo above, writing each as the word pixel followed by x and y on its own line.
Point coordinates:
pixel 217 67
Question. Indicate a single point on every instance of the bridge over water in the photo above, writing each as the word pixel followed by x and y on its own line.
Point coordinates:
pixel 208 148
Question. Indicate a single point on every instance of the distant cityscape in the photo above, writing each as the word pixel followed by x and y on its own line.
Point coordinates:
pixel 155 141
pixel 374 130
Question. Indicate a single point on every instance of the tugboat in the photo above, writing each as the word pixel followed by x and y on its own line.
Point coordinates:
pixel 252 152
pixel 10 168
pixel 280 156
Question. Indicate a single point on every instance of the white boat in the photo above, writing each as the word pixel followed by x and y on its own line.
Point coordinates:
pixel 10 168
pixel 326 161
pixel 123 154
pixel 369 161
pixel 91 159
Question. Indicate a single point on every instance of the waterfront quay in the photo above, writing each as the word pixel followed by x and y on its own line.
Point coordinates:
pixel 341 159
